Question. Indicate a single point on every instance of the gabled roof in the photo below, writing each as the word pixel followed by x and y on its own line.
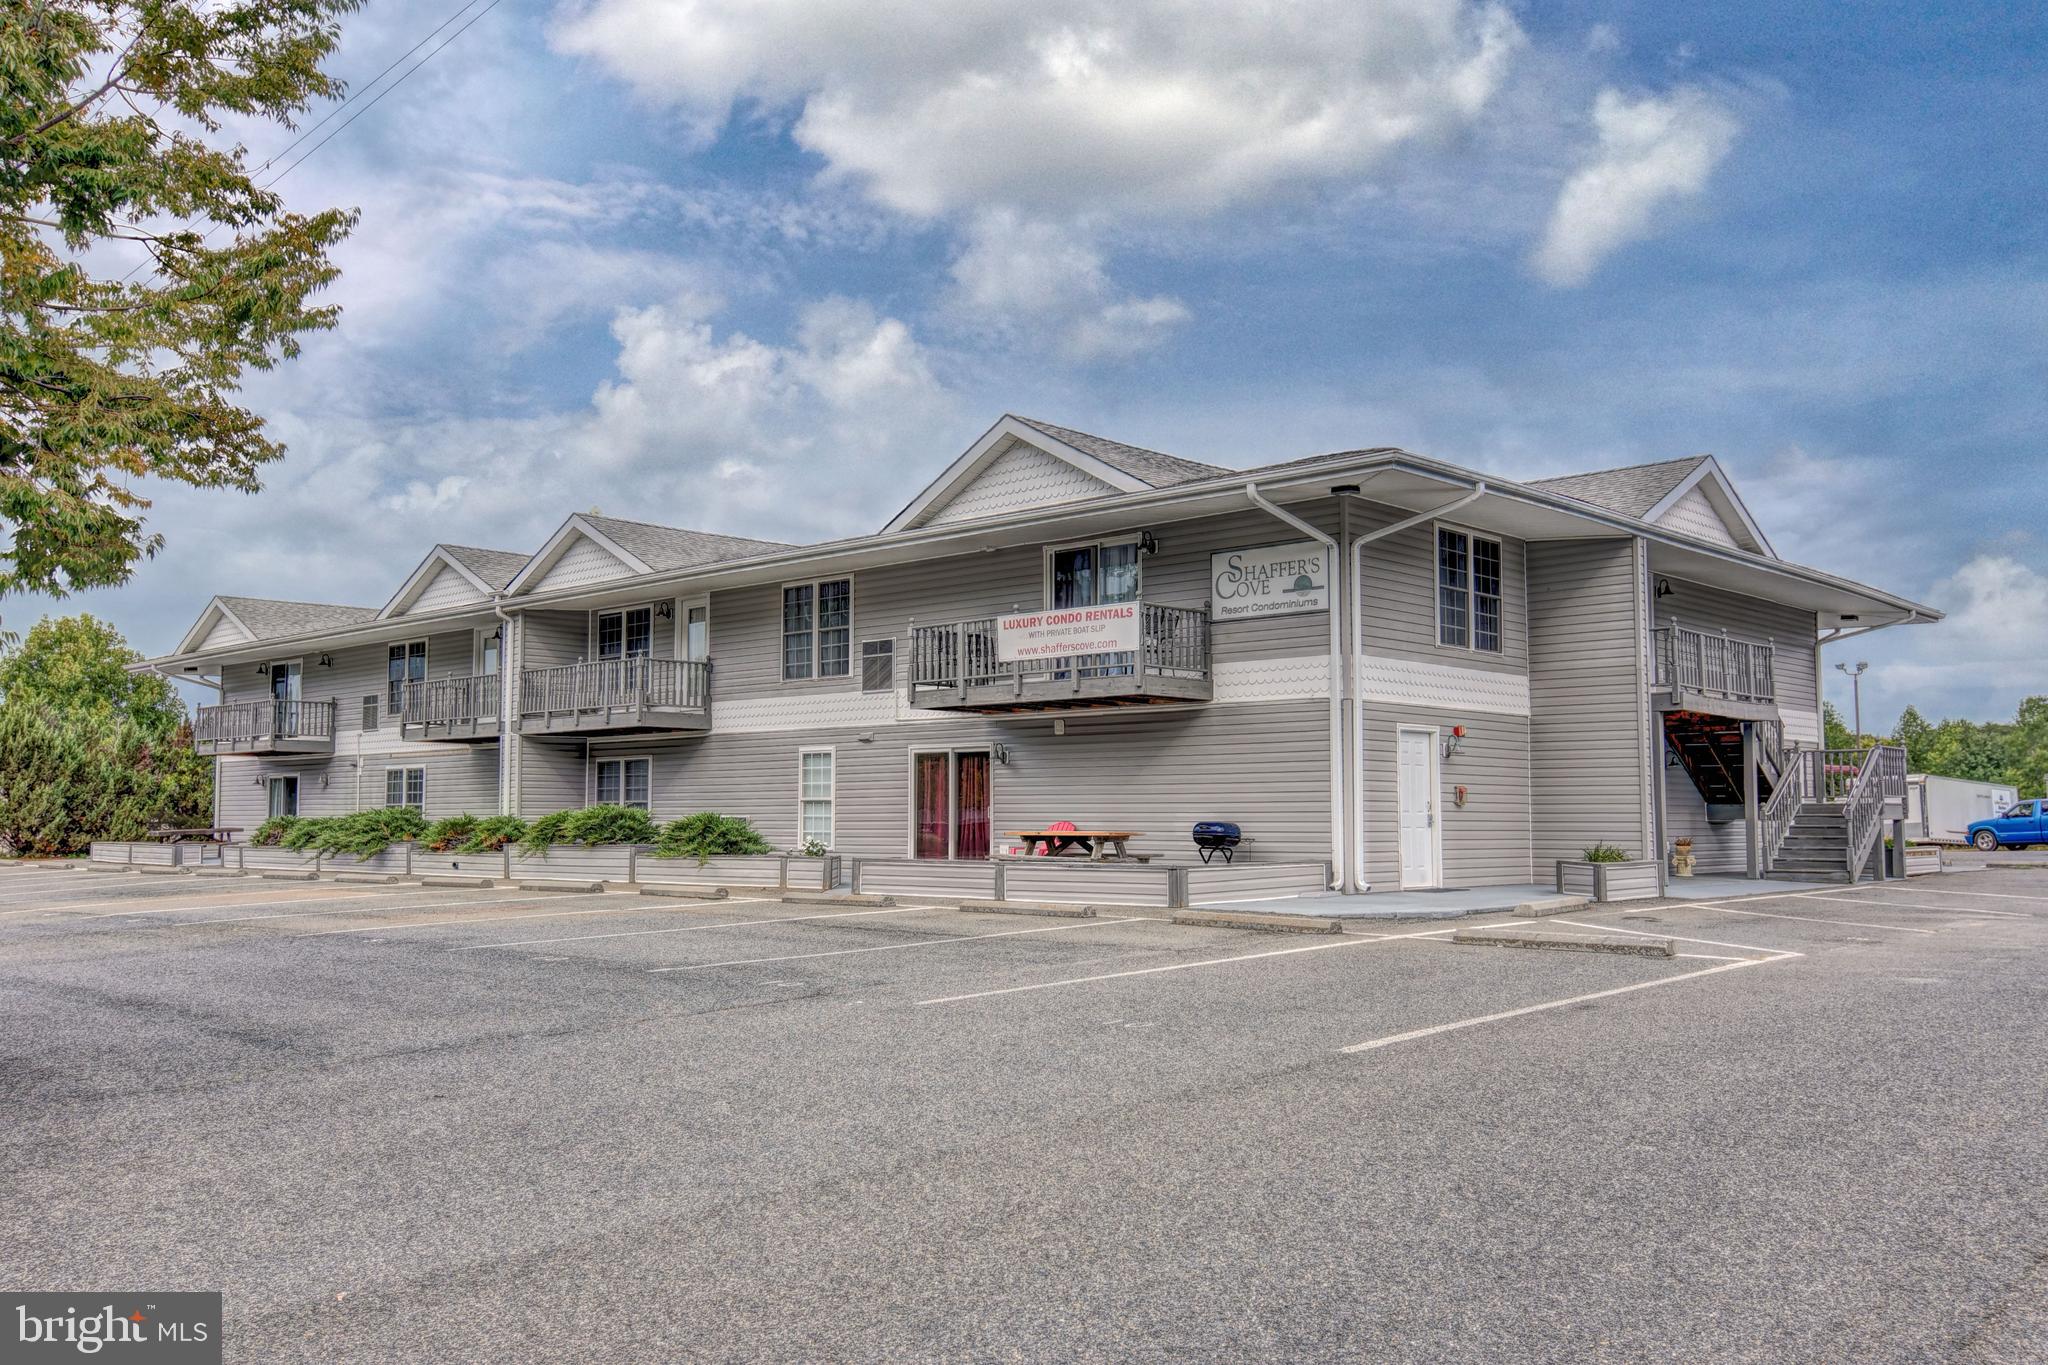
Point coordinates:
pixel 1152 467
pixel 485 571
pixel 1631 490
pixel 495 568
pixel 265 618
pixel 1121 468
pixel 639 547
pixel 1650 491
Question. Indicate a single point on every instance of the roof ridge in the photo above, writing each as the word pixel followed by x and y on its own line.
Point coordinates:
pixel 685 530
pixel 1625 468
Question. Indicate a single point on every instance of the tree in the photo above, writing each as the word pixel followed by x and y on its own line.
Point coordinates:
pixel 1835 732
pixel 108 138
pixel 89 750
pixel 77 666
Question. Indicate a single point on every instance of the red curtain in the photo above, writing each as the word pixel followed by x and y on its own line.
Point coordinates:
pixel 931 803
pixel 971 840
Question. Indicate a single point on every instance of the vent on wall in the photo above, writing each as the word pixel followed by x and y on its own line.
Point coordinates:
pixel 878 665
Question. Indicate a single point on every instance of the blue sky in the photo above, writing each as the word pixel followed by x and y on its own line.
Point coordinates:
pixel 764 266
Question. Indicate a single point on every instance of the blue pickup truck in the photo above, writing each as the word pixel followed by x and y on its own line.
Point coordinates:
pixel 2018 827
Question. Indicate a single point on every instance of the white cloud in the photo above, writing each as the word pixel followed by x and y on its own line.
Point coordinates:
pixel 1649 152
pixel 1015 271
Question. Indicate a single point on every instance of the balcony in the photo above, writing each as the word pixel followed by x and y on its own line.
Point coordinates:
pixel 616 696
pixel 954 667
pixel 262 728
pixel 1716 673
pixel 450 708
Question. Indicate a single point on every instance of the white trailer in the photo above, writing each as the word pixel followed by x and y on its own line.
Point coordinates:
pixel 1940 809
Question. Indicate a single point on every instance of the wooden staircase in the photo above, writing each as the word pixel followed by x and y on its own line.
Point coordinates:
pixel 1825 823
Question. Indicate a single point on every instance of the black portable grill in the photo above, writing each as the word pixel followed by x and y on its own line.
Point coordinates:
pixel 1217 836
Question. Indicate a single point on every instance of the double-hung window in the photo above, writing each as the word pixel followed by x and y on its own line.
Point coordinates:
pixel 405 787
pixel 407 664
pixel 624 781
pixel 814 781
pixel 1468 593
pixel 817 629
pixel 625 634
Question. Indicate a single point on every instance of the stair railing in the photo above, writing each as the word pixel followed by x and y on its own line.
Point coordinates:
pixel 1881 777
pixel 1780 811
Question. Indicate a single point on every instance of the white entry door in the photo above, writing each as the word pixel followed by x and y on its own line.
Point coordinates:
pixel 1418 809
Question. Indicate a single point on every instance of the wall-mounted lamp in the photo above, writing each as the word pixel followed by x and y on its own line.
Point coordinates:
pixel 1663 587
pixel 327 661
pixel 323 781
pixel 1454 741
pixel 665 611
pixel 263 669
pixel 1847 617
pixel 865 738
pixel 1671 758
pixel 262 781
pixel 1059 727
pixel 1148 543
pixel 1000 753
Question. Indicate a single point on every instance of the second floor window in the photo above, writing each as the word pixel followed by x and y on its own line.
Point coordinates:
pixel 817 629
pixel 408 663
pixel 1468 611
pixel 625 634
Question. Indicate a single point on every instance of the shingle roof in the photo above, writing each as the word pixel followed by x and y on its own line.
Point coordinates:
pixel 495 567
pixel 672 547
pixel 1632 490
pixel 267 618
pixel 1151 467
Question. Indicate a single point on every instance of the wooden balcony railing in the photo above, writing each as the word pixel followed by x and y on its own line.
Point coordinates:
pixel 1715 665
pixel 452 706
pixel 961 656
pixel 608 685
pixel 267 726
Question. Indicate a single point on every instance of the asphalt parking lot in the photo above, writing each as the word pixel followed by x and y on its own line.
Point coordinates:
pixel 402 1123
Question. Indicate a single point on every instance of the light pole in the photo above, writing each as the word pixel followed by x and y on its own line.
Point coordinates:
pixel 1856 691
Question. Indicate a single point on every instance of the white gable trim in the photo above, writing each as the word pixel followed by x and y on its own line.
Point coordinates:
pixel 408 592
pixel 202 629
pixel 983 452
pixel 1714 484
pixel 560 543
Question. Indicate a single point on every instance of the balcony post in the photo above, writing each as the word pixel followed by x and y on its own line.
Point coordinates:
pixel 960 658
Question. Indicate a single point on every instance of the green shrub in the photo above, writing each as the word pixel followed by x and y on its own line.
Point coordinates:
pixel 271 832
pixel 592 825
pixel 68 780
pixel 449 835
pixel 706 835
pixel 492 833
pixel 363 834
pixel 1605 853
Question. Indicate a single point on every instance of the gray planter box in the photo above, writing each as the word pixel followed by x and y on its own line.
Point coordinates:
pixel 395 859
pixel 743 869
pixel 490 864
pixel 578 863
pixel 1633 881
pixel 257 859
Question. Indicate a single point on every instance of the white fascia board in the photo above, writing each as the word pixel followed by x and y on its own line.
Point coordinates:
pixel 215 610
pixel 438 557
pixel 1720 491
pixel 558 544
pixel 977 457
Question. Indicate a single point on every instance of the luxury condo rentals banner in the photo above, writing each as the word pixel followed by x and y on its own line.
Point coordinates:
pixel 1108 629
pixel 1269 580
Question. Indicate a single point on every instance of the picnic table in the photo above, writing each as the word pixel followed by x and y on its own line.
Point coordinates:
pixel 1061 842
pixel 219 834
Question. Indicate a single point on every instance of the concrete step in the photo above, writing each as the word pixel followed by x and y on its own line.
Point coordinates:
pixel 1257 920
pixel 1779 874
pixel 1794 863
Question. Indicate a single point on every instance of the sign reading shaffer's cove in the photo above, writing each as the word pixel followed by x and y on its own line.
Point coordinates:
pixel 1108 629
pixel 1271 580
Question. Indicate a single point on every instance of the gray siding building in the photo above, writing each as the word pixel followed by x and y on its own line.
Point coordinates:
pixel 1402 672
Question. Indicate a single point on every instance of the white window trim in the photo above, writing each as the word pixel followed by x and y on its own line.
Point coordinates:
pixel 270 667
pixel 1130 538
pixel 391 768
pixel 952 753
pixel 590 626
pixel 590 776
pixel 683 610
pixel 781 636
pixel 270 800
pixel 476 655
pixel 831 800
pixel 394 711
pixel 1436 588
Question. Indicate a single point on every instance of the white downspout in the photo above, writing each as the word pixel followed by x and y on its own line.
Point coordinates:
pixel 508 765
pixel 1356 701
pixel 1340 867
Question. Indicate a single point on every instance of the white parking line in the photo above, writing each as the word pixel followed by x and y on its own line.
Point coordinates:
pixel 1349 941
pixel 692 928
pixel 216 903
pixel 1414 1034
pixel 1937 909
pixel 1987 895
pixel 1678 938
pixel 897 947
pixel 1811 919
pixel 640 906
pixel 491 904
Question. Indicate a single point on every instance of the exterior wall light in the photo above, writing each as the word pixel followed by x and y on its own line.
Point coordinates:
pixel 1454 741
